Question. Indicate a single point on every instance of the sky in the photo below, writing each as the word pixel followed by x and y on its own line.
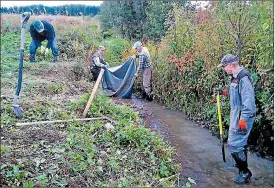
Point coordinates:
pixel 47 3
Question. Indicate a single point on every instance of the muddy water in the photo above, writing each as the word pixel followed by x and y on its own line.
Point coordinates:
pixel 198 151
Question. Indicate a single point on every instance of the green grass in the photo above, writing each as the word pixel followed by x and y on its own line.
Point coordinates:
pixel 129 155
pixel 10 48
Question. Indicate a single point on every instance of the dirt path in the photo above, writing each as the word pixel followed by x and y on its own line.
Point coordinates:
pixel 198 151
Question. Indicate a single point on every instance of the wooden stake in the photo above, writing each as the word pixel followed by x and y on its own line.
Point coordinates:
pixel 93 93
pixel 57 121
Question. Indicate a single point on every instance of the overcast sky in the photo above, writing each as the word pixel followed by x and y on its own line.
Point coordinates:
pixel 47 3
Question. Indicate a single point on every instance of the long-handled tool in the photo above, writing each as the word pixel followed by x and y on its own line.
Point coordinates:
pixel 93 93
pixel 220 125
pixel 16 108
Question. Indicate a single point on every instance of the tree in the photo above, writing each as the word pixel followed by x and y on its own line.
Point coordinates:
pixel 238 21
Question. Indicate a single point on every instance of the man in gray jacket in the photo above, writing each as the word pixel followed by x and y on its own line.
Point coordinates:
pixel 242 113
pixel 97 62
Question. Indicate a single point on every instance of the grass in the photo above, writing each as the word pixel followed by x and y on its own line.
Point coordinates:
pixel 83 153
pixel 73 153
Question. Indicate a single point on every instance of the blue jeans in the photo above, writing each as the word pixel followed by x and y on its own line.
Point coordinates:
pixel 35 44
pixel 237 140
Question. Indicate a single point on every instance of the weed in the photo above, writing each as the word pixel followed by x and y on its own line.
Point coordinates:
pixel 55 88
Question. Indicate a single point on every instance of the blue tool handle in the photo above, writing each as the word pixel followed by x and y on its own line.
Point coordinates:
pixel 24 19
pixel 20 73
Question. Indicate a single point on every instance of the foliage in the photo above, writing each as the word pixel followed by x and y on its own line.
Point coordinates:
pixel 69 10
pixel 55 88
pixel 185 62
pixel 125 15
pixel 115 47
pixel 74 148
pixel 136 20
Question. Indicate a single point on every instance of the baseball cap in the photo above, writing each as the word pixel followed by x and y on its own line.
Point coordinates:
pixel 101 48
pixel 137 44
pixel 38 25
pixel 228 59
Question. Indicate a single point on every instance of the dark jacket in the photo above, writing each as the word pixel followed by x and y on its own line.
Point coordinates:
pixel 48 33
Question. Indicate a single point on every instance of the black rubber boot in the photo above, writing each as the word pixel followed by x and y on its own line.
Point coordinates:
pixel 144 95
pixel 245 174
pixel 32 58
pixel 149 98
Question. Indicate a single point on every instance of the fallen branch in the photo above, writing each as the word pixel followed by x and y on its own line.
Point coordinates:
pixel 168 178
pixel 109 119
pixel 58 121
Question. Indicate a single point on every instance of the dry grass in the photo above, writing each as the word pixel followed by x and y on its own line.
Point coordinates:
pixel 11 22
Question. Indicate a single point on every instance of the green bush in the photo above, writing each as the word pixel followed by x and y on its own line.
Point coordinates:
pixel 114 50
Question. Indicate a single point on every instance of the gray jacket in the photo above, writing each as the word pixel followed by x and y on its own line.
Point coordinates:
pixel 242 99
pixel 242 104
pixel 97 60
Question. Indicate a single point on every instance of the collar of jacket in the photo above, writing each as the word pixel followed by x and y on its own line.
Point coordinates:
pixel 235 74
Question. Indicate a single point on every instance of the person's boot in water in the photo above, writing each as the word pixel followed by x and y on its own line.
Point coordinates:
pixel 149 98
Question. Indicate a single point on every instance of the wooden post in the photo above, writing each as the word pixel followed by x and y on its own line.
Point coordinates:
pixel 93 93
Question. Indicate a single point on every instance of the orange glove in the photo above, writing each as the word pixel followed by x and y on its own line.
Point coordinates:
pixel 213 101
pixel 224 92
pixel 242 124
pixel 221 92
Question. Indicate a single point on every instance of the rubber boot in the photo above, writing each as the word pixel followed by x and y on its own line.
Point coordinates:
pixel 144 95
pixel 32 58
pixel 245 174
pixel 55 59
pixel 149 98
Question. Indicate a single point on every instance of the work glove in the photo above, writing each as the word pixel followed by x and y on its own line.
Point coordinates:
pixel 45 51
pixel 26 58
pixel 216 91
pixel 220 91
pixel 213 101
pixel 242 124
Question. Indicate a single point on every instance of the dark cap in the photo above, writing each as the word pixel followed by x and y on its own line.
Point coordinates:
pixel 38 25
pixel 228 59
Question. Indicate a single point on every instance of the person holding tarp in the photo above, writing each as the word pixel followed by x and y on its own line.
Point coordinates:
pixel 97 62
pixel 145 66
pixel 242 113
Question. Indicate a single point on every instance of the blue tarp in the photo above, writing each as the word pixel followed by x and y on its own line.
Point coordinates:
pixel 118 81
